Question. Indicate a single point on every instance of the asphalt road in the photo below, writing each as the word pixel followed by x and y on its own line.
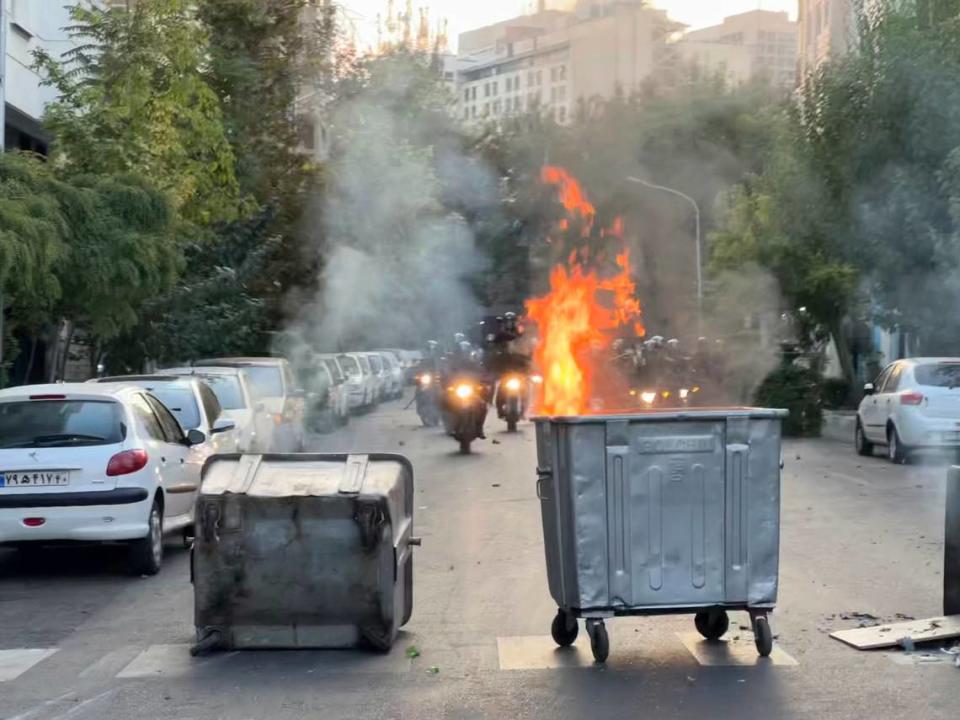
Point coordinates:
pixel 858 535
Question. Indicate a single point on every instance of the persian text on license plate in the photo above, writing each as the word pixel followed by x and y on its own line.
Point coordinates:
pixel 34 478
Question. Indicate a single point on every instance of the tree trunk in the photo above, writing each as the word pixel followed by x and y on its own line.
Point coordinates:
pixel 840 341
pixel 31 360
pixel 65 355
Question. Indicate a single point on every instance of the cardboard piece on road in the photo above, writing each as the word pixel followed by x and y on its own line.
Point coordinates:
pixel 881 636
pixel 732 653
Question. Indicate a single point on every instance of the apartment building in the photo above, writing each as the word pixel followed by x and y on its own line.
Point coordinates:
pixel 29 25
pixel 756 45
pixel 554 59
pixel 827 29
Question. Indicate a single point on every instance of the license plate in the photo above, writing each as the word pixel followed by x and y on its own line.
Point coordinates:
pixel 34 478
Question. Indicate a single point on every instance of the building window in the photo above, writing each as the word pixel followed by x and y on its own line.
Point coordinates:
pixel 466 95
pixel 496 108
pixel 496 87
pixel 553 74
pixel 539 78
pixel 563 114
pixel 486 89
pixel 473 112
pixel 562 72
pixel 486 109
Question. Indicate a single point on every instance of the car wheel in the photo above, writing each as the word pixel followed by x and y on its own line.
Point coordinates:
pixel 864 446
pixel 896 451
pixel 146 554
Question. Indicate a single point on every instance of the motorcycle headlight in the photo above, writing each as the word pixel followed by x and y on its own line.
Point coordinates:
pixel 464 392
pixel 536 379
pixel 649 398
pixel 514 384
pixel 425 380
pixel 684 393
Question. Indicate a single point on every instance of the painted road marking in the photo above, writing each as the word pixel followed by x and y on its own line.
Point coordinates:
pixel 164 661
pixel 14 663
pixel 740 652
pixel 540 653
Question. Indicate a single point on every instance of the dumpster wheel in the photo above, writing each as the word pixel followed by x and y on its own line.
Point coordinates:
pixel 712 624
pixel 763 635
pixel 599 640
pixel 564 629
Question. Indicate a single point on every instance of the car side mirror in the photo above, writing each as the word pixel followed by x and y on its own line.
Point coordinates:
pixel 195 437
pixel 223 425
pixel 869 389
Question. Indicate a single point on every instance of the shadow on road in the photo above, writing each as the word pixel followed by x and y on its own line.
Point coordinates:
pixel 72 561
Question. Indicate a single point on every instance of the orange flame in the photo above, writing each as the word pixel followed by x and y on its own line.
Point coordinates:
pixel 576 318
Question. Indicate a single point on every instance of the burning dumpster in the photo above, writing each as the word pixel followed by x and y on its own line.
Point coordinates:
pixel 661 512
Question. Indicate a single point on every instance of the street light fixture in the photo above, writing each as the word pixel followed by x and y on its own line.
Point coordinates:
pixel 696 213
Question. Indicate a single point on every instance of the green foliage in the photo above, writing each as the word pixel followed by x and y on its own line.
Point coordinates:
pixel 255 58
pixel 133 98
pixel 32 238
pixel 797 389
pixel 836 393
pixel 211 310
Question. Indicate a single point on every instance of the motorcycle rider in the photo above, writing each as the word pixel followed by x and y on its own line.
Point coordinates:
pixel 462 363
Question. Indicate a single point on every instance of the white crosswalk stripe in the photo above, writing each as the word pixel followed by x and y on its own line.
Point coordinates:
pixel 14 663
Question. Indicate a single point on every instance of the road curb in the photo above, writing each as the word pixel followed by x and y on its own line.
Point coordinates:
pixel 838 426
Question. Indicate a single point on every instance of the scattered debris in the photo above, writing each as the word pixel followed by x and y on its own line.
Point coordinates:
pixel 413 652
pixel 451 568
pixel 904 634
pixel 496 442
pixel 691 679
pixel 495 485
pixel 907 643
pixel 401 443
pixel 433 670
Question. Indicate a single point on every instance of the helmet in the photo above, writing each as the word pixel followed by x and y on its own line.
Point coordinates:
pixel 459 338
pixel 465 347
pixel 432 344
pixel 657 341
pixel 510 315
pixel 673 344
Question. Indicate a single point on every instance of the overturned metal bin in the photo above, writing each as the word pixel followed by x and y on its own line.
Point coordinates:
pixel 661 512
pixel 303 551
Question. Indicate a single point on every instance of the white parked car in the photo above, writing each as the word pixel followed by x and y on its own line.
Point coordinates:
pixel 380 373
pixel 276 393
pixel 395 374
pixel 236 401
pixel 358 364
pixel 913 405
pixel 354 387
pixel 193 404
pixel 95 463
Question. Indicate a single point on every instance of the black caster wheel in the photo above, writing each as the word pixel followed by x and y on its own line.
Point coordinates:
pixel 599 640
pixel 763 635
pixel 564 629
pixel 712 624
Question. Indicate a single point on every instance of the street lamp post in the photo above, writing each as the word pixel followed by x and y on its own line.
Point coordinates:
pixel 696 214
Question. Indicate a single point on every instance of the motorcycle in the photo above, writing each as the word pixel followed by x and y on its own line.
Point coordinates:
pixel 426 398
pixel 465 409
pixel 511 401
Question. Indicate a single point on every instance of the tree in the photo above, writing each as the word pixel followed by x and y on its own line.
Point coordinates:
pixel 133 97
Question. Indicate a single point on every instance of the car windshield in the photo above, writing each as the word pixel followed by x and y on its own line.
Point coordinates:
pixel 944 375
pixel 181 402
pixel 265 381
pixel 60 423
pixel 350 365
pixel 228 391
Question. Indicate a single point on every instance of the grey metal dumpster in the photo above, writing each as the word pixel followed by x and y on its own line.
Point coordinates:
pixel 297 551
pixel 661 512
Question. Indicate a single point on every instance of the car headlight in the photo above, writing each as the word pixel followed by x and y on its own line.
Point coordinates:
pixel 514 384
pixel 684 393
pixel 648 397
pixel 464 391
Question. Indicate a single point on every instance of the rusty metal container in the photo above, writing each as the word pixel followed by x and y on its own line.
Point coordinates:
pixel 661 512
pixel 303 551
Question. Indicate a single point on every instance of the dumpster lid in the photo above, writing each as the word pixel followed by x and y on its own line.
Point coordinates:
pixel 691 414
pixel 302 475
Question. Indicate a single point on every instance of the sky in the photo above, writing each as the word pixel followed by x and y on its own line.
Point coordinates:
pixel 469 14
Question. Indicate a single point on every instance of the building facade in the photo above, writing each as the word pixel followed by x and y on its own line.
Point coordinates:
pixel 827 29
pixel 552 60
pixel 756 45
pixel 29 25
